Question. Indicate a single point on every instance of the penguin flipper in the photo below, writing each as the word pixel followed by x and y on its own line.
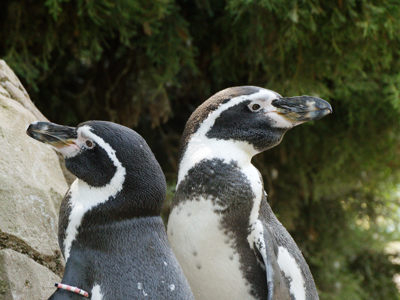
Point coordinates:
pixel 263 252
pixel 264 249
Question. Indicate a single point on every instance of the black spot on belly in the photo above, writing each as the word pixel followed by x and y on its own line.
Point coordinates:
pixel 229 189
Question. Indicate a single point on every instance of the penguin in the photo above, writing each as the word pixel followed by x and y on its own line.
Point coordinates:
pixel 221 227
pixel 110 230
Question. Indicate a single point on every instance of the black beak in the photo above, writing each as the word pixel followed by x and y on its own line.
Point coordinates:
pixel 53 134
pixel 302 108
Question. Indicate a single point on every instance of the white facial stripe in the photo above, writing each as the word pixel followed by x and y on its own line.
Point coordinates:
pixel 210 120
pixel 201 147
pixel 68 151
pixel 85 197
pixel 280 121
pixel 292 271
pixel 74 149
pixel 96 293
pixel 272 112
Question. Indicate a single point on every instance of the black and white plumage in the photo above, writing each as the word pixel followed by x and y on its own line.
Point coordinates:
pixel 221 227
pixel 110 230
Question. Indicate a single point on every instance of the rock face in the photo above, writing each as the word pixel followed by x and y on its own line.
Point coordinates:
pixel 32 185
pixel 22 278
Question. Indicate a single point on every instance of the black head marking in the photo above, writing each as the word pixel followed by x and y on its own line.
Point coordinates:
pixel 241 124
pixel 211 104
pixel 97 152
pixel 260 119
pixel 144 179
pixel 93 166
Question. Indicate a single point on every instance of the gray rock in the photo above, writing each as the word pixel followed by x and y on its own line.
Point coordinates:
pixel 32 183
pixel 21 278
pixel 11 87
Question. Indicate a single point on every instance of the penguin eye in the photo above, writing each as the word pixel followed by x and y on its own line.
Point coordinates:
pixel 89 144
pixel 255 107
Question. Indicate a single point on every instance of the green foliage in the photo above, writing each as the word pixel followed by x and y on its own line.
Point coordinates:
pixel 131 49
pixel 148 64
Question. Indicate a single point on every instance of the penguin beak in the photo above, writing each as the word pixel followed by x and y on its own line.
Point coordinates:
pixel 55 135
pixel 302 108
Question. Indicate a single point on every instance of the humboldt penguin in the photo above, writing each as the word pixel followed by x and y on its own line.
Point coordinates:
pixel 110 230
pixel 221 227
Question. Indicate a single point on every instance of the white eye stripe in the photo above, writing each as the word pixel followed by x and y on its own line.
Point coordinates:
pixel 215 147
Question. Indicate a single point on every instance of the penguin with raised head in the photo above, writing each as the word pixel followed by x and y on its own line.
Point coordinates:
pixel 221 227
pixel 110 230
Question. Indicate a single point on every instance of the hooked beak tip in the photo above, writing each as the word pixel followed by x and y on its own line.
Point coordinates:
pixel 303 108
pixel 324 106
pixel 30 128
pixel 36 130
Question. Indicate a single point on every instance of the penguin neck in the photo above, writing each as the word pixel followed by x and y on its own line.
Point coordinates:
pixel 82 199
pixel 105 205
pixel 131 200
pixel 201 147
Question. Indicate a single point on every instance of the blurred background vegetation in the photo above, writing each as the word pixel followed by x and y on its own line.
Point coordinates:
pixel 148 64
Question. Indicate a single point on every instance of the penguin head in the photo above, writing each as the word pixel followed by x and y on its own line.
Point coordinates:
pixel 253 117
pixel 104 153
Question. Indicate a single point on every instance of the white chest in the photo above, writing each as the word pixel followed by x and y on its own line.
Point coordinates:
pixel 205 253
pixel 82 199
